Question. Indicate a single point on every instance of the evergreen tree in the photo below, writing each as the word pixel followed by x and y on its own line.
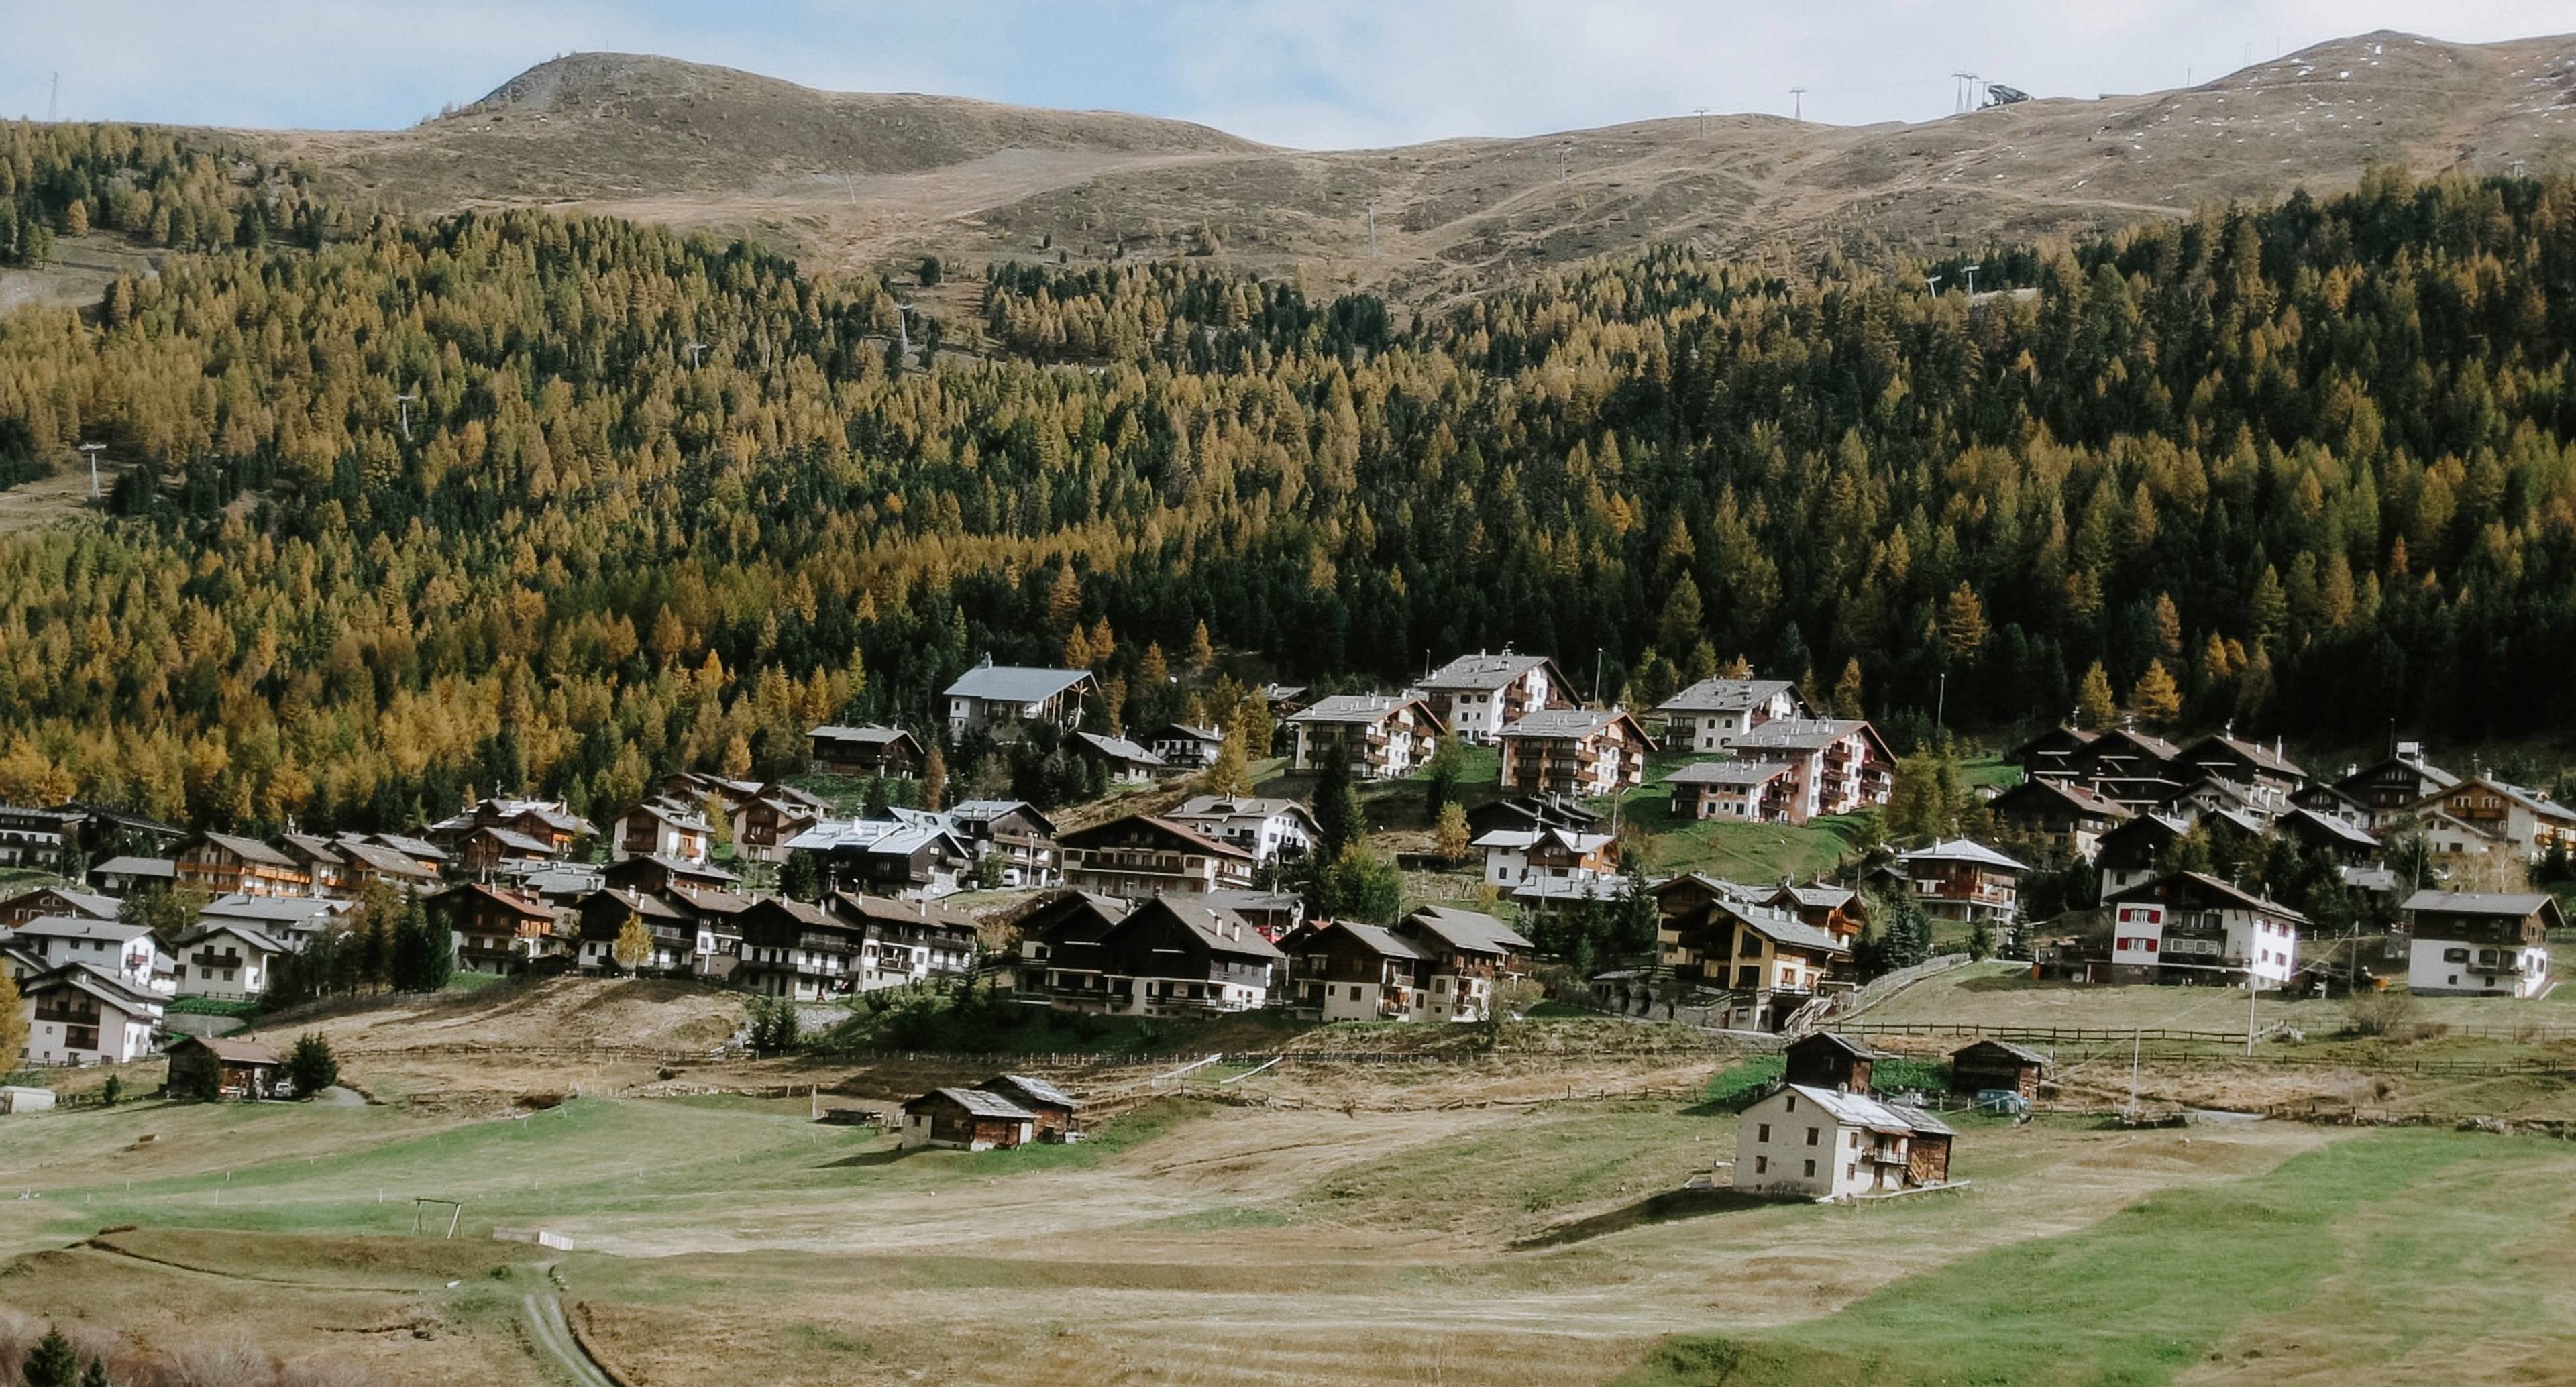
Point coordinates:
pixel 1440 783
pixel 1338 817
pixel 2154 698
pixel 2094 708
pixel 13 1020
pixel 800 877
pixel 52 1362
pixel 310 1065
pixel 1231 772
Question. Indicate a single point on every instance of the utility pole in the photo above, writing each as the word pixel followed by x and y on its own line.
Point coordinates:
pixel 1932 285
pixel 1596 676
pixel 1372 220
pixel 403 401
pixel 93 450
pixel 54 95
pixel 1702 113
pixel 1941 700
pixel 1564 159
pixel 1797 103
pixel 2253 990
pixel 697 352
pixel 1971 272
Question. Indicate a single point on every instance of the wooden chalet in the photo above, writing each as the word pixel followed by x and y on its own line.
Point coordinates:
pixel 1766 960
pixel 1962 880
pixel 221 864
pixel 797 950
pixel 2056 754
pixel 2345 844
pixel 1344 970
pixel 1837 910
pixel 1580 752
pixel 1533 811
pixel 1185 746
pixel 1468 952
pixel 326 864
pixel 2395 783
pixel 1001 700
pixel 1122 761
pixel 1997 1064
pixel 1830 1060
pixel 662 828
pixel 495 930
pixel 2479 944
pixel 884 753
pixel 668 873
pixel 966 1119
pixel 215 1069
pixel 601 920
pixel 1147 855
pixel 2134 851
pixel 1053 1107
pixel 37 902
pixel 1011 839
pixel 2062 816
pixel 2190 927
pixel 1172 955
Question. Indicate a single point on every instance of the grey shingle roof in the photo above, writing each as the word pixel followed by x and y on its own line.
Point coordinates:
pixel 980 1102
pixel 1564 722
pixel 1727 773
pixel 2513 904
pixel 1481 671
pixel 1033 1089
pixel 1724 695
pixel 1015 683
pixel 1469 931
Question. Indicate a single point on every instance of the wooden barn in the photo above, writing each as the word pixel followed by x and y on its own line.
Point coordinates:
pixel 1830 1061
pixel 215 1069
pixel 1053 1106
pixel 1990 1064
pixel 966 1119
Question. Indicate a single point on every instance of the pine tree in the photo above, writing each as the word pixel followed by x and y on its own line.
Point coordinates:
pixel 1338 819
pixel 1963 623
pixel 436 949
pixel 1451 834
pixel 2154 698
pixel 1847 690
pixel 1440 782
pixel 934 779
pixel 2094 709
pixel 1231 772
pixel 310 1065
pixel 52 1362
pixel 1202 651
pixel 13 1020
pixel 800 877
pixel 95 1375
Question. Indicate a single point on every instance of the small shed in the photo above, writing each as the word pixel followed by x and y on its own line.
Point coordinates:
pixel 1989 1064
pixel 214 1069
pixel 22 1098
pixel 1053 1106
pixel 966 1119
pixel 1830 1060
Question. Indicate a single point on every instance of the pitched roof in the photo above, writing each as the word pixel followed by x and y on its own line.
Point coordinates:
pixel 1858 1049
pixel 248 933
pixel 2082 798
pixel 388 861
pixel 1728 773
pixel 2425 770
pixel 285 909
pixel 1238 807
pixel 1118 748
pixel 1963 850
pixel 1781 927
pixel 1861 1110
pixel 313 846
pixel 232 1049
pixel 247 849
pixel 2512 904
pixel 976 811
pixel 525 909
pixel 1360 708
pixel 81 927
pixel 889 909
pixel 88 903
pixel 1015 683
pixel 1567 722
pixel 1481 671
pixel 2263 757
pixel 1187 732
pixel 1469 931
pixel 1033 1089
pixel 2243 899
pixel 2023 1053
pixel 978 1101
pixel 869 734
pixel 1817 896
pixel 99 983
pixel 1526 838
pixel 1223 929
pixel 1196 841
pixel 1378 939
pixel 136 867
pixel 2331 826
pixel 1724 695
pixel 1801 734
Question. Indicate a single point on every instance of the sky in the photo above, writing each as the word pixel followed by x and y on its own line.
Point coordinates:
pixel 1313 74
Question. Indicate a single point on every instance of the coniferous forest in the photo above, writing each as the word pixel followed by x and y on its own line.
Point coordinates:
pixel 2310 463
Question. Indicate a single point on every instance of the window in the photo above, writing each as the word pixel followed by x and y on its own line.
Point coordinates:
pixel 2455 955
pixel 1355 994
pixel 1812 1134
pixel 1793 1102
pixel 1811 1170
pixel 1851 1170
pixel 1763 1132
pixel 1761 1165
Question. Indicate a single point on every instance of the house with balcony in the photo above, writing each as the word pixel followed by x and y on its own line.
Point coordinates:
pixel 225 960
pixel 1585 753
pixel 1709 715
pixel 2342 842
pixel 80 1015
pixel 1272 830
pixel 1477 696
pixel 1761 792
pixel 2191 927
pixel 1533 811
pixel 1145 855
pixel 37 902
pixel 1170 956
pixel 799 951
pixel 2395 783
pixel 2134 768
pixel 545 827
pixel 1957 879
pixel 1001 700
pixel 369 861
pixel 1186 746
pixel 495 930
pixel 1343 970
pixel 883 753
pixel 1467 952
pixel 905 942
pixel 912 854
pixel 1122 761
pixel 1817 1143
pixel 1380 736
pixel 670 929
pixel 2526 821
pixel 1837 910
pixel 2062 816
pixel 1836 765
pixel 45 840
pixel 326 864
pixel 127 952
pixel 2479 944
pixel 2265 774
pixel 1766 960
pixel 1012 835
pixel 1551 861
pixel 662 827
pixel 221 863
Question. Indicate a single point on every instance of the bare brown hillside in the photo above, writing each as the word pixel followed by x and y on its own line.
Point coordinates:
pixel 873 180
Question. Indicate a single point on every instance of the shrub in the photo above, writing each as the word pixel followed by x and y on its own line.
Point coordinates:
pixel 311 1066
pixel 2389 1012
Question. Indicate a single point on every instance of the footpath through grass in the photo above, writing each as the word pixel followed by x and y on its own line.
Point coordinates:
pixel 2129 1302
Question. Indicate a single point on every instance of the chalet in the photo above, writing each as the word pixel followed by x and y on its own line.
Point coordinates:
pixel 1836 765
pixel 2395 783
pixel 1830 1060
pixel 1053 1107
pixel 215 1069
pixel 431 857
pixel 38 902
pixel 718 917
pixel 126 952
pixel 1688 892
pixel 226 959
pixel 1837 910
pixel 1275 913
pixel 906 942
pixel 767 819
pixel 966 1119
pixel 1961 880
pixel 1171 955
pixel 799 951
pixel 1771 960
pixel 106 832
pixel 1762 792
pixel 1711 714
pixel 667 873
pixel 999 700
pixel 549 824
pixel 2468 943
pixel 219 863
pixel 891 856
pixel 2526 819
pixel 1272 830
pixel 1469 952
pixel 2321 798
pixel 1123 761
pixel 1822 1144
pixel 662 828
pixel 1516 858
pixel 80 1015
pixel 124 875
pixel 1477 696
pixel 2343 843
pixel 2125 765
pixel 369 862
pixel 2189 927
pixel 325 866
pixel 2266 776
pixel 2056 754
pixel 1381 736
pixel 1997 1064
pixel 1282 699
pixel 602 916
pixel 2134 851
pixel 43 839
pixel 2209 796
pixel 494 930
pixel 492 848
pixel 1347 971
pixel 886 753
pixel 1532 811
pixel 290 920
pixel 2067 818
pixel 1586 752
pixel 1183 746
pixel 1013 836
pixel 1145 855
pixel 2445 836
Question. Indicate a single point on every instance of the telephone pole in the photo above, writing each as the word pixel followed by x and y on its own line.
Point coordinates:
pixel 696 351
pixel 53 95
pixel 404 402
pixel 1798 103
pixel 93 450
pixel 1702 113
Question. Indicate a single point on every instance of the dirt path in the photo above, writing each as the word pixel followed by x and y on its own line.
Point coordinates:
pixel 552 1336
